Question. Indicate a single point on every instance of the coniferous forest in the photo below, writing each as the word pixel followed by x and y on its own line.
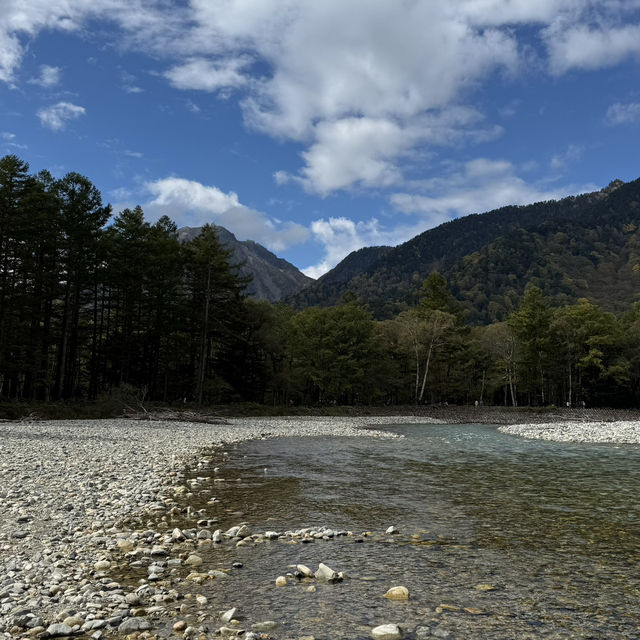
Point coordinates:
pixel 92 303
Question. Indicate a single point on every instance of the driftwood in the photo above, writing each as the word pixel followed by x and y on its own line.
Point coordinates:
pixel 175 416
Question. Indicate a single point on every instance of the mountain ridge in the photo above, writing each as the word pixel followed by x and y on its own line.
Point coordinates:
pixel 273 278
pixel 488 258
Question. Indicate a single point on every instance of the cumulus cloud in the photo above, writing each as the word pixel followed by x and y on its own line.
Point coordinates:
pixel 146 25
pixel 49 76
pixel 57 115
pixel 353 82
pixel 192 203
pixel 623 113
pixel 479 185
pixel 340 236
pixel 366 152
pixel 586 47
pixel 209 75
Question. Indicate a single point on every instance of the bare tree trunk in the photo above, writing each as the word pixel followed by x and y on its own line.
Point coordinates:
pixel 203 345
pixel 415 347
pixel 512 388
pixel 426 369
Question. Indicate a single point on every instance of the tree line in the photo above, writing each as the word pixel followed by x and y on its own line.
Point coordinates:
pixel 91 303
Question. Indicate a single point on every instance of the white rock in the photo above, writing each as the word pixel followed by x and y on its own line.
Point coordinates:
pixel 326 574
pixel 304 570
pixel 387 632
pixel 229 615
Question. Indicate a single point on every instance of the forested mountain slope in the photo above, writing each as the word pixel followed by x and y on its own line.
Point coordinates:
pixel 272 278
pixel 580 246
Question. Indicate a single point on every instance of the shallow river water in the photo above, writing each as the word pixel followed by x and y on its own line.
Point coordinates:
pixel 517 538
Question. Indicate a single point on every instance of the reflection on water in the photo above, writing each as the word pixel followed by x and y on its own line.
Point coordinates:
pixel 551 530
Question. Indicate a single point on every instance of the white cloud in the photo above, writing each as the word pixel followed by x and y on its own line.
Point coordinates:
pixel 353 150
pixel 586 47
pixel 569 157
pixel 341 236
pixel 193 204
pixel 478 186
pixel 208 75
pixel 324 73
pixel 49 76
pixel 367 151
pixel 6 135
pixel 56 116
pixel 619 113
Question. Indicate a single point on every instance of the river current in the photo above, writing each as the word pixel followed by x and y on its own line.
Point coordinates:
pixel 499 537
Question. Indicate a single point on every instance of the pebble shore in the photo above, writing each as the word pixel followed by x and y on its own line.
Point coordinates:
pixel 71 494
pixel 618 432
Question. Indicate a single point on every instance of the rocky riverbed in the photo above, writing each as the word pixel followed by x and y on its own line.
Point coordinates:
pixel 87 507
pixel 618 432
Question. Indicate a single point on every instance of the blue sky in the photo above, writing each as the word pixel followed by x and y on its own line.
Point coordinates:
pixel 316 128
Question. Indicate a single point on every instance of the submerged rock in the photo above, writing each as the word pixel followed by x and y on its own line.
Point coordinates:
pixel 397 593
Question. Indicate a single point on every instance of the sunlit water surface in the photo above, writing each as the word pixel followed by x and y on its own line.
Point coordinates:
pixel 553 529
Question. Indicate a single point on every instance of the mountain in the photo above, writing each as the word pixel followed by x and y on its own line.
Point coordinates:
pixel 330 287
pixel 580 246
pixel 273 278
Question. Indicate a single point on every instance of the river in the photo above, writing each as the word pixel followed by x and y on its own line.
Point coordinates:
pixel 516 538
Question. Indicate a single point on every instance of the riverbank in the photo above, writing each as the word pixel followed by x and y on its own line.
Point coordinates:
pixel 451 414
pixel 97 537
pixel 77 496
pixel 619 432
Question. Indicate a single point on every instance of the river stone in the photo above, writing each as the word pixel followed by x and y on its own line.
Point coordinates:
pixel 387 632
pixel 134 624
pixel 243 531
pixel 229 615
pixel 181 625
pixel 392 530
pixel 397 593
pixel 177 535
pixel 59 629
pixel 215 573
pixel 193 560
pixel 266 626
pixel 72 621
pixel 125 545
pixel 281 581
pixel 102 565
pixel 304 570
pixel 326 573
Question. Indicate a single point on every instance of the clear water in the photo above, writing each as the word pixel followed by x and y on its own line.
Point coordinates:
pixel 553 528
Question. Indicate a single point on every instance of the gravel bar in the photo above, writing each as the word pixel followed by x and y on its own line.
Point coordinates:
pixel 619 432
pixel 67 487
